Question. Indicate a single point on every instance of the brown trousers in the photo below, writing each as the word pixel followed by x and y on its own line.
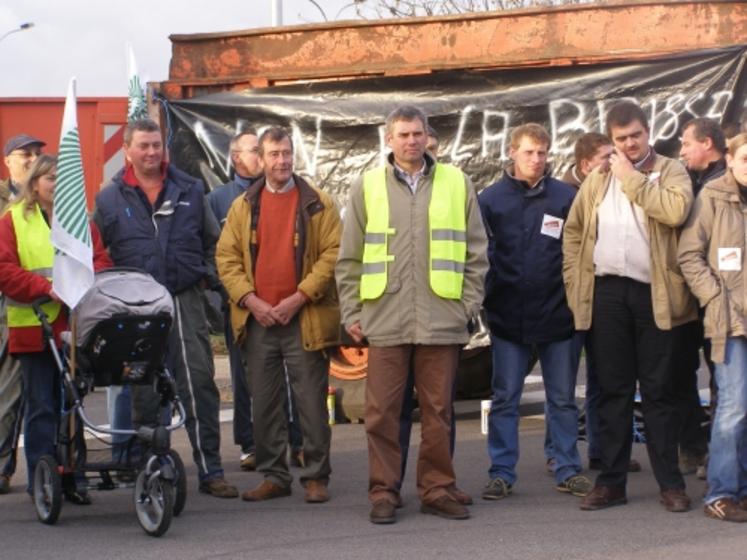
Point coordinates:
pixel 388 367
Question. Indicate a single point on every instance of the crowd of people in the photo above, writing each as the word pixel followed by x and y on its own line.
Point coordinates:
pixel 631 256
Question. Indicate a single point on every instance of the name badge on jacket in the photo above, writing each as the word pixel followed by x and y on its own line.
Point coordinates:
pixel 552 226
pixel 729 258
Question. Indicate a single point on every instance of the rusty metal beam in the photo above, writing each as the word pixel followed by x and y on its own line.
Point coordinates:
pixel 563 35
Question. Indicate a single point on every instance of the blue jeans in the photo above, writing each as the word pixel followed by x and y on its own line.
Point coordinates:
pixel 41 394
pixel 727 462
pixel 591 404
pixel 119 405
pixel 559 361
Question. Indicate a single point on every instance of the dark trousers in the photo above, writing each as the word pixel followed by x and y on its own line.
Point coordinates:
pixel 270 354
pixel 405 422
pixel 693 436
pixel 434 368
pixel 628 347
pixel 243 429
pixel 190 360
pixel 11 408
pixel 41 394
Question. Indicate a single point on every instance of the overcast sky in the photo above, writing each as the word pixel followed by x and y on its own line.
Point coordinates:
pixel 87 38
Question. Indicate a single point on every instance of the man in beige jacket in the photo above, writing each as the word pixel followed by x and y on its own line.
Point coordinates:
pixel 624 286
pixel 712 256
pixel 410 278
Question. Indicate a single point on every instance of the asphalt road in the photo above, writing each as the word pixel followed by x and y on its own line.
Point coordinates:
pixel 536 522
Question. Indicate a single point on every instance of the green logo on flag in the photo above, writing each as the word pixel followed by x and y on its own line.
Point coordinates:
pixel 136 105
pixel 70 192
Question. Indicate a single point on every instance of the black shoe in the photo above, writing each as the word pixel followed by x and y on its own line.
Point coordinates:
pixel 78 498
pixel 4 484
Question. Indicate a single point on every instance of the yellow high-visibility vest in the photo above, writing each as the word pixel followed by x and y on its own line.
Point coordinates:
pixel 36 254
pixel 447 224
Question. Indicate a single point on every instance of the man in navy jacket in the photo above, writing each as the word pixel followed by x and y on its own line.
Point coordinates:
pixel 154 217
pixel 524 214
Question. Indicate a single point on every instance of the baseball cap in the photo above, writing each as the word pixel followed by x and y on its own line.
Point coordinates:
pixel 21 141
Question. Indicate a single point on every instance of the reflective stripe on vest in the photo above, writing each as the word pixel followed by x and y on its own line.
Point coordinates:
pixel 447 221
pixel 35 254
pixel 447 227
pixel 375 257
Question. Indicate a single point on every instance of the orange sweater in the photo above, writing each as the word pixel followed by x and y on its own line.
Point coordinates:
pixel 275 268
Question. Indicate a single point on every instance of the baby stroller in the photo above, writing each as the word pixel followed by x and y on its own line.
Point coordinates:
pixel 123 323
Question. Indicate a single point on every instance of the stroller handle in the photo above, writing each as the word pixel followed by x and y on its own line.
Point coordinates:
pixel 36 305
pixel 171 427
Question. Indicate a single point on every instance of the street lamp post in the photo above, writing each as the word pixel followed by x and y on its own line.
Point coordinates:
pixel 22 27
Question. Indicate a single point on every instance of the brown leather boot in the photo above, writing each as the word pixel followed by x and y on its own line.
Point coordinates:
pixel 602 497
pixel 447 507
pixel 383 512
pixel 675 500
pixel 316 492
pixel 265 491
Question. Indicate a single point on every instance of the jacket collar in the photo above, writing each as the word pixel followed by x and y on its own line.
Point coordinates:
pixel 430 164
pixel 724 188
pixel 646 165
pixel 307 196
pixel 529 190
pixel 129 178
pixel 713 170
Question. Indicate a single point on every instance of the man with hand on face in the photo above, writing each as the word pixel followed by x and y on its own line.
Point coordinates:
pixel 154 217
pixel 524 214
pixel 592 151
pixel 410 280
pixel 20 152
pixel 276 258
pixel 624 286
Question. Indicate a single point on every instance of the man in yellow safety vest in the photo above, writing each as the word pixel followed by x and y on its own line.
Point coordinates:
pixel 410 279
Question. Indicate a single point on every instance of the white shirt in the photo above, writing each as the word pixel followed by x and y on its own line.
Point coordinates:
pixel 411 180
pixel 285 188
pixel 622 247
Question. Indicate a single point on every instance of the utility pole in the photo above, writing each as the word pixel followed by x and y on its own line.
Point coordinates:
pixel 277 13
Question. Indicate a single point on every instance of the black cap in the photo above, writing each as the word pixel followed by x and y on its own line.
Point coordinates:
pixel 21 141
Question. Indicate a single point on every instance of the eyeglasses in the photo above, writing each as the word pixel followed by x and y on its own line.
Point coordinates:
pixel 25 153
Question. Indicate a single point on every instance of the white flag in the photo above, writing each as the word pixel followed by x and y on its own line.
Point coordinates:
pixel 137 108
pixel 72 274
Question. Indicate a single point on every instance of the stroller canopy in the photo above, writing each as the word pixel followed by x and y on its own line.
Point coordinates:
pixel 120 291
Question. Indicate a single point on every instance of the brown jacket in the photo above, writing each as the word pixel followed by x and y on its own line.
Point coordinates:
pixel 717 224
pixel 409 312
pixel 318 241
pixel 572 176
pixel 663 189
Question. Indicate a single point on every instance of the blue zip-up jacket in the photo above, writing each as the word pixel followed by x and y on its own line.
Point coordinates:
pixel 222 196
pixel 524 294
pixel 174 242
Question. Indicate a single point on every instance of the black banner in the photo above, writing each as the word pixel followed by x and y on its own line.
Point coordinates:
pixel 337 127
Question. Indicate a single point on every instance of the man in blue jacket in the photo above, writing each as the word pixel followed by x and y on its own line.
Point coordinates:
pixel 524 214
pixel 152 216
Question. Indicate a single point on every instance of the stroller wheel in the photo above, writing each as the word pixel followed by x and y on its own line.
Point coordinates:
pixel 180 484
pixel 47 490
pixel 154 503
